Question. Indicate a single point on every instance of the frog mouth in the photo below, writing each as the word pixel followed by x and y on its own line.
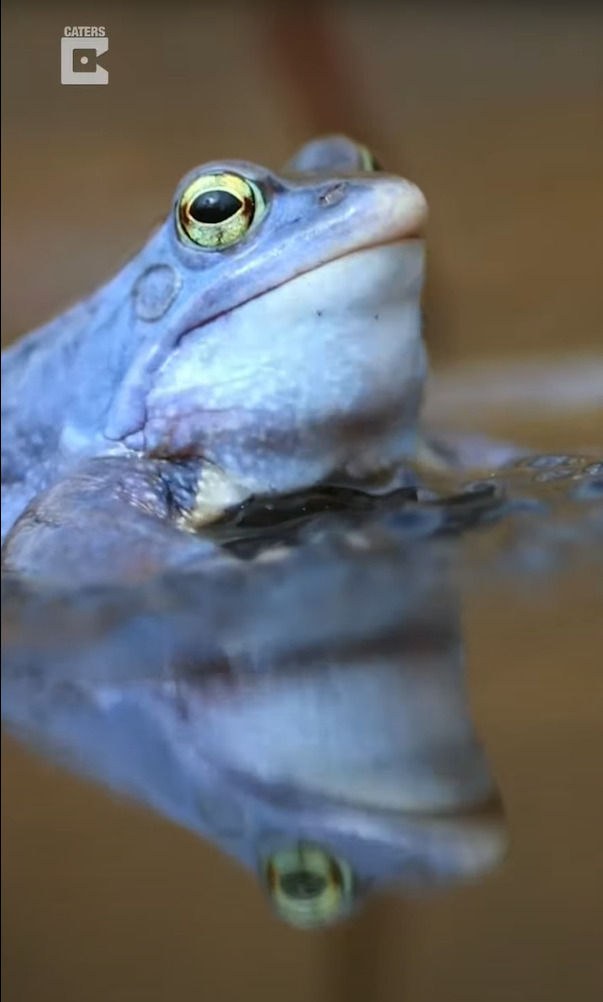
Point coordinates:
pixel 424 848
pixel 478 812
pixel 415 233
pixel 280 395
pixel 313 881
pixel 192 320
pixel 411 238
pixel 389 212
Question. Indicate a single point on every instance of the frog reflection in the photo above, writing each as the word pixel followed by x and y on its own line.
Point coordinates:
pixel 301 710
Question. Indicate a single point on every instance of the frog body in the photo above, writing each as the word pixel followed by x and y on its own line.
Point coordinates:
pixel 265 339
pixel 279 344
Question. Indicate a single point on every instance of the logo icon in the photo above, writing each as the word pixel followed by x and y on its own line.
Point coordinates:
pixel 81 49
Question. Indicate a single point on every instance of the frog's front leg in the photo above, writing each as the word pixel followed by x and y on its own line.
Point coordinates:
pixel 113 520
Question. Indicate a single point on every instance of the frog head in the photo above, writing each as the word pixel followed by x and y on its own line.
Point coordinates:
pixel 272 323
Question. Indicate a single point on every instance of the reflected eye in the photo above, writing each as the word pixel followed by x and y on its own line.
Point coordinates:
pixel 308 886
pixel 217 210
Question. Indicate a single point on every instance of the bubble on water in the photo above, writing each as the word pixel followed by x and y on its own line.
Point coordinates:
pixel 561 473
pixel 548 468
pixel 546 462
pixel 594 469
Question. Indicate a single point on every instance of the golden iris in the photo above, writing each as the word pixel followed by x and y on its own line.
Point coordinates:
pixel 218 210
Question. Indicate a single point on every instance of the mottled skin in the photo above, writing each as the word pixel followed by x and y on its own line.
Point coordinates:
pixel 195 378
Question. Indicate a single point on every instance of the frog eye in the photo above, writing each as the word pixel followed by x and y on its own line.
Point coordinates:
pixel 308 886
pixel 217 210
pixel 367 160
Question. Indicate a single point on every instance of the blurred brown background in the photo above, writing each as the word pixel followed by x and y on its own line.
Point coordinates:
pixel 497 114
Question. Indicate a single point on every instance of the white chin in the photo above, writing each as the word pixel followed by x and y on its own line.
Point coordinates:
pixel 336 352
pixel 358 285
pixel 344 337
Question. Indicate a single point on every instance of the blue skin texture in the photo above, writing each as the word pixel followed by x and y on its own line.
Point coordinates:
pixel 289 355
pixel 193 379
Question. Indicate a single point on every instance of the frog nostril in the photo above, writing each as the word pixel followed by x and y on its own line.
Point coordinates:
pixel 333 194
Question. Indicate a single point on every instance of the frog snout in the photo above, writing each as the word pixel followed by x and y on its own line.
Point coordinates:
pixel 393 209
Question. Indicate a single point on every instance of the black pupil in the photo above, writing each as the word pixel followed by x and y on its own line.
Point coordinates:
pixel 303 885
pixel 214 206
